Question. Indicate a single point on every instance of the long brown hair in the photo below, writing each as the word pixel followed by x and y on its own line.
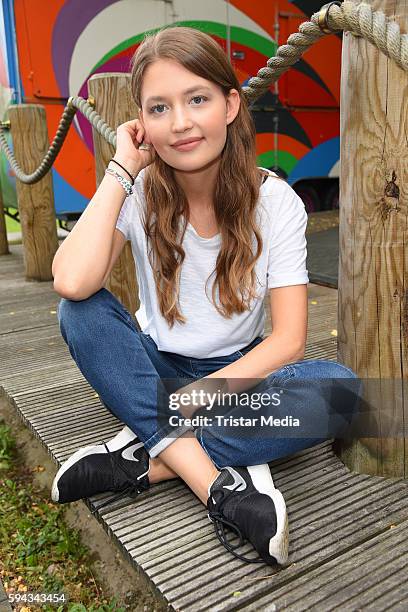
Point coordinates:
pixel 236 190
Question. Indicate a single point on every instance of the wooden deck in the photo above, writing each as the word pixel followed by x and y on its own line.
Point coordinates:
pixel 5 606
pixel 349 544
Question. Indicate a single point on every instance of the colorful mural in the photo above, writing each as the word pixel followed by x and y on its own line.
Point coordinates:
pixel 60 44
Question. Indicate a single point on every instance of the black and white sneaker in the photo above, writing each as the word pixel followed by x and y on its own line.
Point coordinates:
pixel 120 465
pixel 246 501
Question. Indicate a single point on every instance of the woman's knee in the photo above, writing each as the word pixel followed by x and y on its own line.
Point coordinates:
pixel 95 305
pixel 321 368
pixel 67 307
pixel 82 317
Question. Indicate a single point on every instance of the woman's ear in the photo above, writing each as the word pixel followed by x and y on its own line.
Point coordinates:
pixel 233 104
pixel 146 137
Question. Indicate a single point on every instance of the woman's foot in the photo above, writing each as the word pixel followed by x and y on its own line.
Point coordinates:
pixel 246 501
pixel 160 471
pixel 120 465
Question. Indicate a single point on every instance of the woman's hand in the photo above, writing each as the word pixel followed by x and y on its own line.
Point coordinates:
pixel 201 393
pixel 129 137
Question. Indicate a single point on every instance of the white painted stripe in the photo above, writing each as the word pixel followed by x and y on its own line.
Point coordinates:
pixel 123 20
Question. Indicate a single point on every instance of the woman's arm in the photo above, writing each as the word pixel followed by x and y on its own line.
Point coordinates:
pixel 81 262
pixel 286 343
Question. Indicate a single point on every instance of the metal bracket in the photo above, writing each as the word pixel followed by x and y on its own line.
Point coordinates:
pixel 90 100
pixel 323 17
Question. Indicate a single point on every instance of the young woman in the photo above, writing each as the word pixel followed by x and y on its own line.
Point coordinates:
pixel 211 233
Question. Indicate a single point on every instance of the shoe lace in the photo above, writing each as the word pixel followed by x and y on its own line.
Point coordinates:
pixel 131 490
pixel 219 522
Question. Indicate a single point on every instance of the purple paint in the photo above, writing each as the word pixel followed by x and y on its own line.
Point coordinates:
pixel 72 19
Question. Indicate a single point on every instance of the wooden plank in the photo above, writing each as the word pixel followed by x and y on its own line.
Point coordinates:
pixel 46 378
pixel 79 402
pixel 28 125
pixel 367 589
pixel 193 593
pixel 78 389
pixel 394 598
pixel 5 606
pixel 373 334
pixel 251 585
pixel 315 589
pixel 29 362
pixel 21 337
pixel 42 375
pixel 115 103
pixel 38 318
pixel 4 250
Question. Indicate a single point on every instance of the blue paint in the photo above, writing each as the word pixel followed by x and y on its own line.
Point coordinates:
pixel 12 56
pixel 66 198
pixel 318 162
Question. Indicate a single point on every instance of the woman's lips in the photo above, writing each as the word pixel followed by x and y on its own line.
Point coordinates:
pixel 189 146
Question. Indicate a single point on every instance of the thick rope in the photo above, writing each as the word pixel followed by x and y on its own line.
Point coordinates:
pixel 74 103
pixel 359 19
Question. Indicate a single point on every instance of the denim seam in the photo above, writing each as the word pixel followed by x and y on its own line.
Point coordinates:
pixel 193 369
pixel 182 374
pixel 282 375
pixel 179 372
pixel 288 368
pixel 130 320
pixel 129 316
pixel 199 434
pixel 349 370
pixel 159 436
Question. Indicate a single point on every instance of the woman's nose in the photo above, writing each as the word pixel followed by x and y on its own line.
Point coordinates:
pixel 181 119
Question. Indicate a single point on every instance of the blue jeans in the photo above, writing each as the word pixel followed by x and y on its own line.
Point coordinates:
pixel 125 368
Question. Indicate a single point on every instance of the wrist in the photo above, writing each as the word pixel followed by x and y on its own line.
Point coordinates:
pixel 124 182
pixel 130 164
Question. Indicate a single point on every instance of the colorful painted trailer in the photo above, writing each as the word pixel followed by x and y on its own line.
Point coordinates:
pixel 50 50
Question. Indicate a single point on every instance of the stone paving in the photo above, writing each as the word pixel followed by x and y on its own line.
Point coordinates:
pixel 323 220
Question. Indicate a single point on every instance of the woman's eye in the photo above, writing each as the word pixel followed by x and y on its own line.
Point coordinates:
pixel 154 108
pixel 199 98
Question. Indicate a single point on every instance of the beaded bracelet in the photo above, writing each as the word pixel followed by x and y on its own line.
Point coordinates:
pixel 132 180
pixel 127 186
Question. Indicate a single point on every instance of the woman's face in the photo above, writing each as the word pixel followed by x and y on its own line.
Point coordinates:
pixel 169 114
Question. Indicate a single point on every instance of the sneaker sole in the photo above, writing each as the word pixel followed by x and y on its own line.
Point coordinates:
pixel 121 439
pixel 262 480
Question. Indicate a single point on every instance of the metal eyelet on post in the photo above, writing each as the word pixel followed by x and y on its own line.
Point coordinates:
pixel 323 17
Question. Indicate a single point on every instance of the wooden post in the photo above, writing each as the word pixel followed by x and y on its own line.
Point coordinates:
pixel 4 250
pixel 35 202
pixel 373 268
pixel 114 103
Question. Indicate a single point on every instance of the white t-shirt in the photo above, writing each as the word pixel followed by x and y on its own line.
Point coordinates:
pixel 282 221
